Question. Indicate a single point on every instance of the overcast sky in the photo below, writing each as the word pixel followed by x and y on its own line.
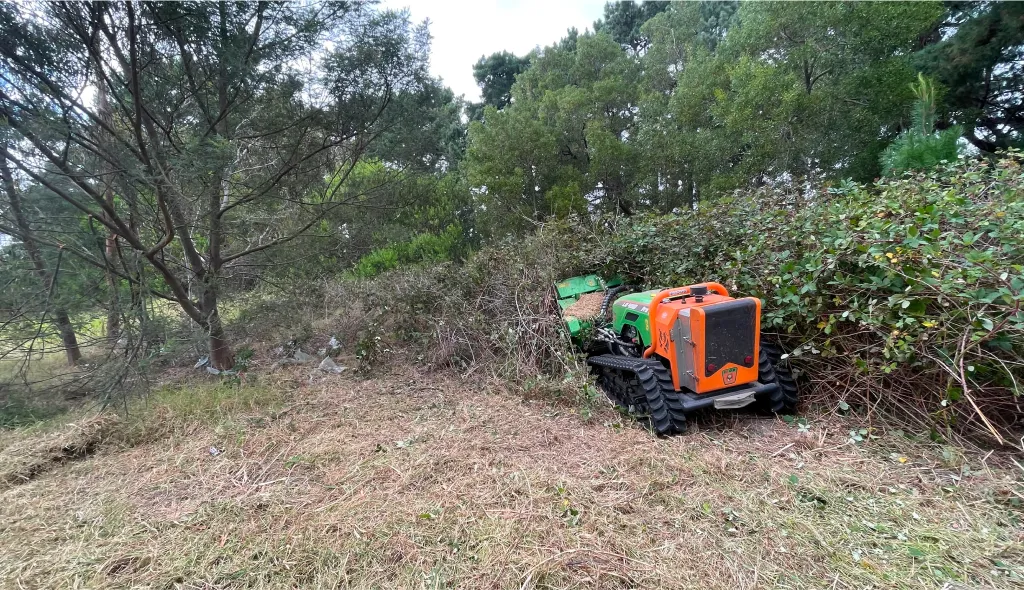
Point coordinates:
pixel 463 31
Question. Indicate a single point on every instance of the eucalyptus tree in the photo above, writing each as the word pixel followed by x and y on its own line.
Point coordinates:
pixel 228 128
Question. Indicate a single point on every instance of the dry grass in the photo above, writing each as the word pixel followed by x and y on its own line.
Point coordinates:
pixel 27 458
pixel 424 481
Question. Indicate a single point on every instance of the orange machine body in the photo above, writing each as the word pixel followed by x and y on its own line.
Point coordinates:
pixel 679 333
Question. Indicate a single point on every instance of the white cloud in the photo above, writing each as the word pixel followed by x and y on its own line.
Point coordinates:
pixel 464 31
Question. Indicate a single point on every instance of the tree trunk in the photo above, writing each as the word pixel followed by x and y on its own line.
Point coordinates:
pixel 113 309
pixel 67 336
pixel 67 331
pixel 221 355
pixel 105 114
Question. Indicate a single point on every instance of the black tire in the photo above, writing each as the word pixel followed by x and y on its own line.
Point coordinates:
pixel 771 369
pixel 664 404
pixel 645 391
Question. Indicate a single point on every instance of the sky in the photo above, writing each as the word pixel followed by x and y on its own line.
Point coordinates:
pixel 463 31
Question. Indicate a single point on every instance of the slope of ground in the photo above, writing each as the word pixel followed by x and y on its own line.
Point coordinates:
pixel 414 480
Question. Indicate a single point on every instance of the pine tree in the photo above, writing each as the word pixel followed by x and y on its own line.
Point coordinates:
pixel 921 146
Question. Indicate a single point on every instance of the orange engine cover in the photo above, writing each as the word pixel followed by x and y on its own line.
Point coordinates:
pixel 711 342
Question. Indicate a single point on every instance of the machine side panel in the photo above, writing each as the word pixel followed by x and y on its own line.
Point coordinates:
pixel 683 370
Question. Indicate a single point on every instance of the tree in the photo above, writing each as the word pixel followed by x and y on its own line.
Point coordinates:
pixel 233 128
pixel 697 100
pixel 835 90
pixel 921 146
pixel 624 19
pixel 716 18
pixel 48 279
pixel 424 131
pixel 495 74
pixel 978 57
pixel 561 145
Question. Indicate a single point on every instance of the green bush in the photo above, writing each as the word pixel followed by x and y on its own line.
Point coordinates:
pixel 376 262
pixel 905 294
pixel 915 151
pixel 922 147
pixel 422 248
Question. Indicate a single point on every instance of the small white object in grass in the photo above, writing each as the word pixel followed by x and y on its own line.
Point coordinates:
pixel 329 366
pixel 214 451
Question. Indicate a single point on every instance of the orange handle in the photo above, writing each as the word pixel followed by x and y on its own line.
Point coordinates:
pixel 677 292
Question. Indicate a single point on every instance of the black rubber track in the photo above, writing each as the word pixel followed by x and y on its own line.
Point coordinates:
pixel 643 385
pixel 770 369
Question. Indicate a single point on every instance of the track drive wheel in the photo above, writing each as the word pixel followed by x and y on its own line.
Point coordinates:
pixel 664 405
pixel 770 369
pixel 644 388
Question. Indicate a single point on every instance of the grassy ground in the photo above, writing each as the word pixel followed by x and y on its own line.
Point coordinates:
pixel 424 481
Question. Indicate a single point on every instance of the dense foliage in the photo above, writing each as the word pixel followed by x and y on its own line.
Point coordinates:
pixel 702 102
pixel 909 289
pixel 901 297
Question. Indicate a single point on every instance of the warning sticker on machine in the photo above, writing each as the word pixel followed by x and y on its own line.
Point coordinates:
pixel 729 375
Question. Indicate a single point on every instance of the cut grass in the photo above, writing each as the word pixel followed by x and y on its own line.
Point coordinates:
pixel 414 481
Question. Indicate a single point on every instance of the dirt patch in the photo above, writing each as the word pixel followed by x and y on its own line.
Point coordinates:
pixel 25 460
pixel 586 307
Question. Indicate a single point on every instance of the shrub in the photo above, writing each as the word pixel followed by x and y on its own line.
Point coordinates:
pixel 903 295
pixel 422 248
pixel 921 147
pixel 493 314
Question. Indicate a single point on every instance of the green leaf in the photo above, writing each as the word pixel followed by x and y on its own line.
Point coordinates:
pixel 917 307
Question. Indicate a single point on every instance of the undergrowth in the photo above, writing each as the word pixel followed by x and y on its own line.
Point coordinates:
pixel 900 298
pixel 492 315
pixel 903 296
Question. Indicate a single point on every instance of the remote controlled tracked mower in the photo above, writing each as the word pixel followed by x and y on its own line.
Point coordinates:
pixel 667 353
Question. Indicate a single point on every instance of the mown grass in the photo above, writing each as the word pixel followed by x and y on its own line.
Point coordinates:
pixel 422 481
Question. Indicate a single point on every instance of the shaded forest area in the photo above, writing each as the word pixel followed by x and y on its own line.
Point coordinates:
pixel 180 178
